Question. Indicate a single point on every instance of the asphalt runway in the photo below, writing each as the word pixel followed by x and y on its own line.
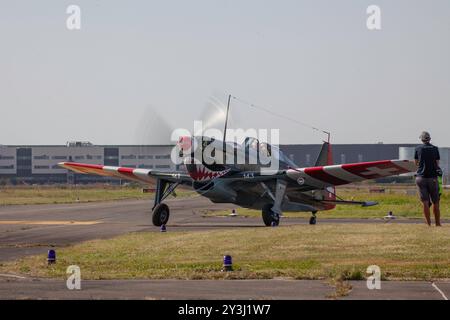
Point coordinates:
pixel 44 226
pixel 33 229
pixel 26 288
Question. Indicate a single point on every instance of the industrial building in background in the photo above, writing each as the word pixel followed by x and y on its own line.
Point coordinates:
pixel 38 164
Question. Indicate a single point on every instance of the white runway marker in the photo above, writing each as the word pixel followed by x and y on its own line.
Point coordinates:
pixel 439 290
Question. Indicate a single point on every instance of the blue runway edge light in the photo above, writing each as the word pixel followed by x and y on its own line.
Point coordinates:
pixel 51 256
pixel 227 263
pixel 163 228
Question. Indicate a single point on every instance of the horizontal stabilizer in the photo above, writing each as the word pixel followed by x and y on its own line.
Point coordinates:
pixel 361 203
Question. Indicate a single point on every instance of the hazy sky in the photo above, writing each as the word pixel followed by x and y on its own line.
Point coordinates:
pixel 137 68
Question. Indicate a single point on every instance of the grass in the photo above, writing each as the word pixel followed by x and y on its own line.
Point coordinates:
pixel 341 252
pixel 395 200
pixel 342 288
pixel 71 194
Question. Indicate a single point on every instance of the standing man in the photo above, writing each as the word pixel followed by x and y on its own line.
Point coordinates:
pixel 427 160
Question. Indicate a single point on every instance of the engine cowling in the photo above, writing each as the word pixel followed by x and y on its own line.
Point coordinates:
pixel 216 191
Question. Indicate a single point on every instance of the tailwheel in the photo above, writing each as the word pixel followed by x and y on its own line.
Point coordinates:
pixel 313 219
pixel 160 214
pixel 270 218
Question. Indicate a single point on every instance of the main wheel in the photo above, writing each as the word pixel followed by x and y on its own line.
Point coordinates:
pixel 269 216
pixel 160 214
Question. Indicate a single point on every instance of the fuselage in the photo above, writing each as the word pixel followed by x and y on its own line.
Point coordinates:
pixel 229 172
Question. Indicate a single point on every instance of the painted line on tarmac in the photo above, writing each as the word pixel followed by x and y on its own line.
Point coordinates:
pixel 50 222
pixel 439 290
pixel 11 276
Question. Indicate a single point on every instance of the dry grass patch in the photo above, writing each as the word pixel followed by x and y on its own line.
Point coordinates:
pixel 72 194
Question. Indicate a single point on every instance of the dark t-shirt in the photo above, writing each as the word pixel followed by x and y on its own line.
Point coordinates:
pixel 427 154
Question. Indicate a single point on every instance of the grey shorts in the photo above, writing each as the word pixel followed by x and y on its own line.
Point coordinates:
pixel 428 189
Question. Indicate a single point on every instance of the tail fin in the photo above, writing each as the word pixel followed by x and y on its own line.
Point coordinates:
pixel 325 157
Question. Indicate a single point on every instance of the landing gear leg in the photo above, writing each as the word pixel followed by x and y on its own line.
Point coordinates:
pixel 271 213
pixel 160 211
pixel 313 219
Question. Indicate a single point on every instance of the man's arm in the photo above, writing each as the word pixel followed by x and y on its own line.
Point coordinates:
pixel 416 157
pixel 438 157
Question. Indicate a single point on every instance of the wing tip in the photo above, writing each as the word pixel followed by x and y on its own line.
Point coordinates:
pixel 62 164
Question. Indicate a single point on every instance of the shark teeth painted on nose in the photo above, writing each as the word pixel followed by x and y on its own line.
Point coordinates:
pixel 202 173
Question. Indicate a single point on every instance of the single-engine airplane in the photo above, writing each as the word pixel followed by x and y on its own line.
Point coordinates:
pixel 288 188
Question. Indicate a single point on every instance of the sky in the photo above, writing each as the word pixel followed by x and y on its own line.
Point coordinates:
pixel 136 70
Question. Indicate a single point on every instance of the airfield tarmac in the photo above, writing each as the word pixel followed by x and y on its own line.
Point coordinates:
pixel 33 229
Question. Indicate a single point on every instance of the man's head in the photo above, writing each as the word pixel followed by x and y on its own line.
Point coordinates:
pixel 425 137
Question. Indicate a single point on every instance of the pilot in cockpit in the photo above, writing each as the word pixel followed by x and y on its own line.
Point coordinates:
pixel 254 145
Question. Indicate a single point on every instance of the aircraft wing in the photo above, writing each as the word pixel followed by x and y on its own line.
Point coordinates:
pixel 140 175
pixel 335 175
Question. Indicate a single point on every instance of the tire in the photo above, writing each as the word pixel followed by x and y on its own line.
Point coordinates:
pixel 312 220
pixel 269 216
pixel 160 215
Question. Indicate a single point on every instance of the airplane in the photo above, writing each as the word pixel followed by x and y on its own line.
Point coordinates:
pixel 288 188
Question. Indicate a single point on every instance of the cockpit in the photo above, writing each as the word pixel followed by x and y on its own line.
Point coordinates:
pixel 253 145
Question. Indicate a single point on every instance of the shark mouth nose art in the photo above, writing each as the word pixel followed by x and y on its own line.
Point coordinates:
pixel 202 173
